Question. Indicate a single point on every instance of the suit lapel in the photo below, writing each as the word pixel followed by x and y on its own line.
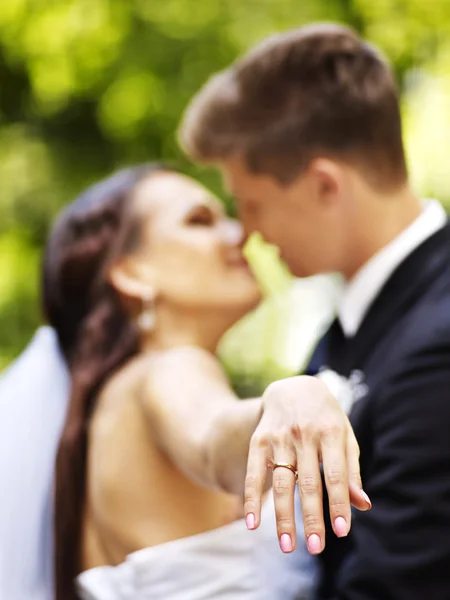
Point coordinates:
pixel 406 285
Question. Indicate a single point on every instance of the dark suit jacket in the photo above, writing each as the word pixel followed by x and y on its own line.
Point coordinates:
pixel 401 548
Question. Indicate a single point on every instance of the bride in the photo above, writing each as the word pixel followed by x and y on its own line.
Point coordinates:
pixel 142 276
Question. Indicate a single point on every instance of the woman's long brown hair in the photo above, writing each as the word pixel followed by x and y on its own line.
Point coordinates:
pixel 95 334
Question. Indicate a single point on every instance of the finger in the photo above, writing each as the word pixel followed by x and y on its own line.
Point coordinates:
pixel 284 481
pixel 310 487
pixel 254 481
pixel 358 496
pixel 334 459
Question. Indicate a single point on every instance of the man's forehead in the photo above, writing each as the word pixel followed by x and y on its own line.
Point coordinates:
pixel 237 180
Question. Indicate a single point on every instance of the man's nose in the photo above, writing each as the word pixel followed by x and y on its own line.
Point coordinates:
pixel 248 224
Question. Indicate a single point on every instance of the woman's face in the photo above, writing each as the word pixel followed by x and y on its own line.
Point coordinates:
pixel 191 252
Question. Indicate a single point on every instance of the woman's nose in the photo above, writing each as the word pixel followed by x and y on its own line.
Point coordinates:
pixel 234 233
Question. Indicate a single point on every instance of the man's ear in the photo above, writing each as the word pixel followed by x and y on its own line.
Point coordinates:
pixel 327 178
pixel 128 282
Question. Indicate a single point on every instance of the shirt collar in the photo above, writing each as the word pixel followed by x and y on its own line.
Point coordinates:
pixel 365 286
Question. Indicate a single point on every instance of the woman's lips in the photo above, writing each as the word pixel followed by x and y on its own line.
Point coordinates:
pixel 238 261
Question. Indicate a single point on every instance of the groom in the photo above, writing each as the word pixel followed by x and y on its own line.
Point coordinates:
pixel 306 131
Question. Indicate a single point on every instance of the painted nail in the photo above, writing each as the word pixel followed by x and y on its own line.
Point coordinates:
pixel 366 498
pixel 340 527
pixel 286 542
pixel 314 544
pixel 250 521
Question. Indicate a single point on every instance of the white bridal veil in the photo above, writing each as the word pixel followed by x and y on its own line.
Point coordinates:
pixel 34 394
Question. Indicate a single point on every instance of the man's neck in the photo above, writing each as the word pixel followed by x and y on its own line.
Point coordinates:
pixel 368 282
pixel 380 220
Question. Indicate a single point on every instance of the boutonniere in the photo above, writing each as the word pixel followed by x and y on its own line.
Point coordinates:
pixel 347 391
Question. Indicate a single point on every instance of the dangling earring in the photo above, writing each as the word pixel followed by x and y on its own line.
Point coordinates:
pixel 147 317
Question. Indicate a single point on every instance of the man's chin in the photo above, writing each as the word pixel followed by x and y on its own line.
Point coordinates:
pixel 301 271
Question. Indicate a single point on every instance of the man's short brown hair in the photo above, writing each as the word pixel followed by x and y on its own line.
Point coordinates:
pixel 313 91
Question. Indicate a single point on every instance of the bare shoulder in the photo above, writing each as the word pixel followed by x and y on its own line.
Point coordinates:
pixel 186 369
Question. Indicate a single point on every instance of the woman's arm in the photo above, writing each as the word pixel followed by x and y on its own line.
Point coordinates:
pixel 197 419
pixel 220 441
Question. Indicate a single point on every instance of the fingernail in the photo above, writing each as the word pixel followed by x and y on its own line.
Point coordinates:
pixel 340 527
pixel 366 498
pixel 250 521
pixel 286 542
pixel 314 544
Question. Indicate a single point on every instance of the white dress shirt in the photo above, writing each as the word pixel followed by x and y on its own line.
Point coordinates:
pixel 364 287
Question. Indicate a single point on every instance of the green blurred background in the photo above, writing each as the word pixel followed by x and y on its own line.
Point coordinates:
pixel 87 86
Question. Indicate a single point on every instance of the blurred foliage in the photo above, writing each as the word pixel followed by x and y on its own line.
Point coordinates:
pixel 87 86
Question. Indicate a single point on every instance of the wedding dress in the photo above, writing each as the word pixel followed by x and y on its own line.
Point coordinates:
pixel 228 563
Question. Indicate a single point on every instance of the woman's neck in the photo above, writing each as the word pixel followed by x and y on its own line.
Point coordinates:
pixel 188 328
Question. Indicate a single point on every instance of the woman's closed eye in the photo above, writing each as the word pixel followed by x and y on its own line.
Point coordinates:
pixel 201 216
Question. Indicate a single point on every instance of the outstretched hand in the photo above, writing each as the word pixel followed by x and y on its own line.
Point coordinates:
pixel 302 426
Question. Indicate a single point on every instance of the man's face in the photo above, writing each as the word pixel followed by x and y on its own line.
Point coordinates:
pixel 305 219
